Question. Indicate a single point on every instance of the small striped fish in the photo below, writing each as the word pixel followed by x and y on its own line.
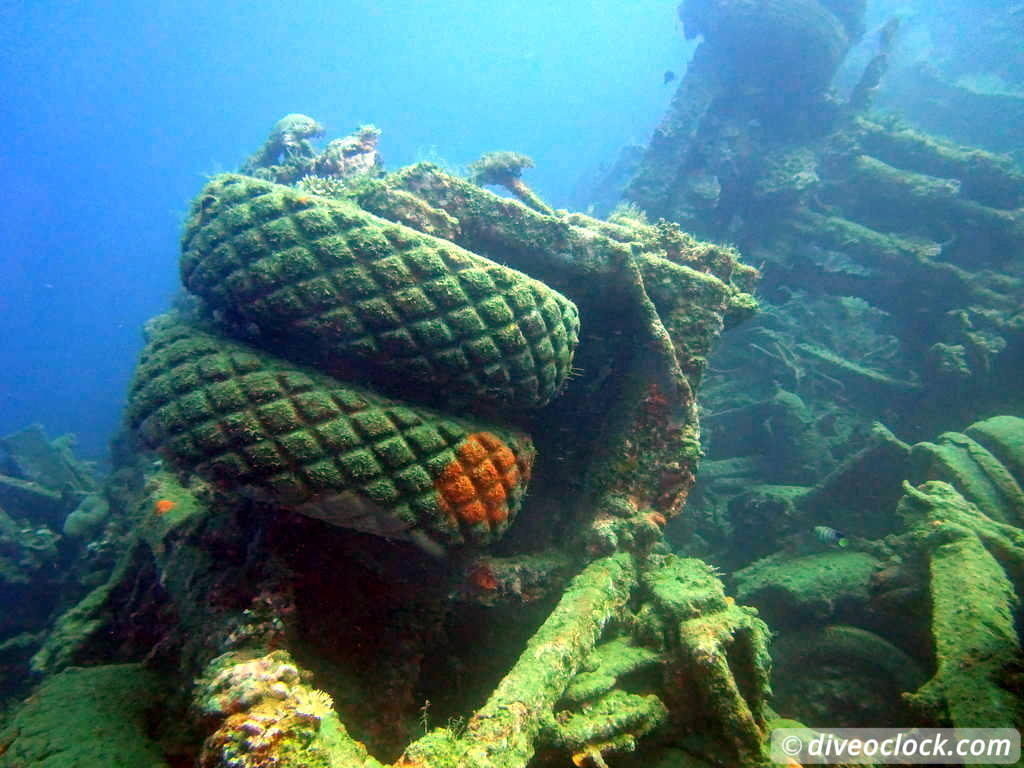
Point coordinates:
pixel 831 536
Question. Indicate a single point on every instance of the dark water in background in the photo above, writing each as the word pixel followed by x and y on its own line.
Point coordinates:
pixel 111 114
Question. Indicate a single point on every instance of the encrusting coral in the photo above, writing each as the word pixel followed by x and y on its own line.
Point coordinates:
pixel 266 715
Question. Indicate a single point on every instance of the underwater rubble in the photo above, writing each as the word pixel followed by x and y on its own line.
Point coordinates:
pixel 418 474
pixel 890 314
pixel 321 566
pixel 43 486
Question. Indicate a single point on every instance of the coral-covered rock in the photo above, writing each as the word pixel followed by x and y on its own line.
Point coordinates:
pixel 268 717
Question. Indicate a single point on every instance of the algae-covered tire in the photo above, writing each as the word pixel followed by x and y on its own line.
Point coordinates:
pixel 252 422
pixel 329 282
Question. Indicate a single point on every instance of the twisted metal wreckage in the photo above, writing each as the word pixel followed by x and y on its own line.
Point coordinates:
pixel 312 527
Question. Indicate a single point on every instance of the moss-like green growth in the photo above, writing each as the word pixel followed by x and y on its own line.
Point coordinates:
pixel 287 150
pixel 1003 436
pixel 973 606
pixel 87 717
pixel 284 268
pixel 505 731
pixel 166 506
pixel 869 247
pixel 571 251
pixel 342 748
pixel 676 292
pixel 608 663
pixel 892 183
pixel 723 662
pixel 87 517
pixel 329 284
pixel 254 423
pixel 78 627
pixel 991 179
pixel 384 200
pixel 611 722
pixel 900 194
pixel 686 588
pixel 975 472
pixel 791 589
pixel 628 214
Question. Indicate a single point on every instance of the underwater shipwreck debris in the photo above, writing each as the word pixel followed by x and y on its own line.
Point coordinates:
pixel 837 202
pixel 264 597
pixel 410 505
pixel 41 479
pixel 937 596
pixel 840 667
pixel 790 47
pixel 504 169
pixel 350 157
pixel 32 456
pixel 890 295
pixel 253 424
pixel 971 561
pixel 44 491
pixel 287 149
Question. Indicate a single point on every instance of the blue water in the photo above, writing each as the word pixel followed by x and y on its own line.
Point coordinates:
pixel 111 115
